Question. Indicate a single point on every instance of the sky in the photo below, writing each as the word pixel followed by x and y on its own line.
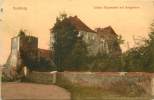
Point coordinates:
pixel 129 18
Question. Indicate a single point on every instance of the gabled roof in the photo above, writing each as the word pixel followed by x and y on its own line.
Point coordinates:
pixel 79 25
pixel 106 30
pixel 44 53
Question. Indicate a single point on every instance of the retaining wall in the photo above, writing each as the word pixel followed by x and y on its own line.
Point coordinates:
pixel 41 77
pixel 112 80
pixel 120 81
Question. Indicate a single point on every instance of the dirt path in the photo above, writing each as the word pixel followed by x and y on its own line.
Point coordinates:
pixel 30 91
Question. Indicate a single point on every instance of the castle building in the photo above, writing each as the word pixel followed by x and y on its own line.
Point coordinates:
pixel 99 41
pixel 111 40
pixel 25 52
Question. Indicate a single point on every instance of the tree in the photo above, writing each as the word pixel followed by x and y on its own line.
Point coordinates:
pixel 65 42
pixel 150 50
pixel 134 59
pixel 76 60
pixel 141 58
pixel 21 33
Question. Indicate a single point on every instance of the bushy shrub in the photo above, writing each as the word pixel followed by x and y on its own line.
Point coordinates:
pixel 104 63
pixel 141 58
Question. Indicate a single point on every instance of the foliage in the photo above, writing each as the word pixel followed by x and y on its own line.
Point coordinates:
pixel 45 65
pixel 10 74
pixel 64 40
pixel 150 50
pixel 137 59
pixel 134 59
pixel 70 52
pixel 141 58
pixel 105 63
pixel 68 49
pixel 21 33
pixel 77 58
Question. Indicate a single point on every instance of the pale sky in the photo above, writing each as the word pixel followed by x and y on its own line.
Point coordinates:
pixel 38 16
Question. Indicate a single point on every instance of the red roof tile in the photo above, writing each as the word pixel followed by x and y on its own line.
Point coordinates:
pixel 44 53
pixel 106 30
pixel 79 25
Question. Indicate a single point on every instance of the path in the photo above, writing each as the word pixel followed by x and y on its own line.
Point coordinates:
pixel 26 91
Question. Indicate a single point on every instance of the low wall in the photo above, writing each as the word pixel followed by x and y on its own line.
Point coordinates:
pixel 112 80
pixel 41 77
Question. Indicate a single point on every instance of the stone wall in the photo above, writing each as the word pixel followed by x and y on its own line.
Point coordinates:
pixel 140 83
pixel 112 80
pixel 137 83
pixel 41 77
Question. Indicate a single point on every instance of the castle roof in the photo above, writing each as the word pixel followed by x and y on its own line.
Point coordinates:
pixel 106 31
pixel 44 53
pixel 79 25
